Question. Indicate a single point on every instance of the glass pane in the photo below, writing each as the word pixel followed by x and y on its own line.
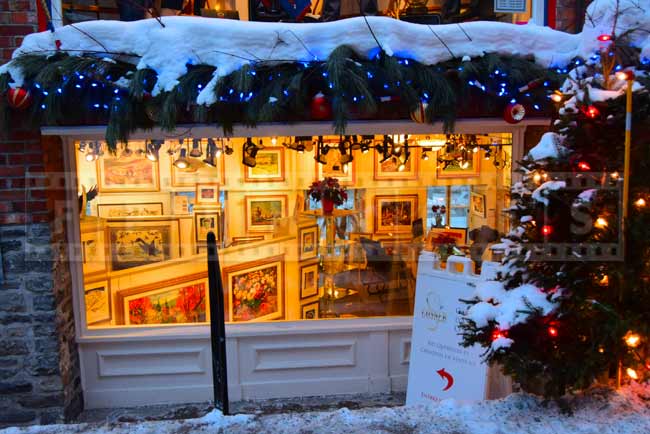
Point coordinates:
pixel 144 230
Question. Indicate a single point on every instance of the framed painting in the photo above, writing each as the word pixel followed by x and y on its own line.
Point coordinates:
pixel 269 167
pixel 98 302
pixel 262 210
pixel 256 289
pixel 126 174
pixel 183 202
pixel 238 241
pixel 196 173
pixel 477 204
pixel 207 194
pixel 308 242
pixel 395 214
pixel 389 169
pixel 205 222
pixel 310 310
pixel 356 236
pixel 182 300
pixel 344 173
pixel 93 252
pixel 138 242
pixel 471 171
pixel 308 280
pixel 115 210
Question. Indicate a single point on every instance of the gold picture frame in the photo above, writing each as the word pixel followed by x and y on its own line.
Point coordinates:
pixel 256 290
pixel 395 213
pixel 97 299
pixel 269 166
pixel 136 306
pixel 262 210
pixel 309 280
pixel 206 221
pixel 308 242
pixel 120 210
pixel 142 241
pixel 473 171
pixel 238 241
pixel 127 174
pixel 389 170
pixel 94 251
pixel 206 194
pixel 310 310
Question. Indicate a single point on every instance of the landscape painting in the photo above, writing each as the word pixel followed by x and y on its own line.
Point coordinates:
pixel 262 210
pixel 125 174
pixel 142 243
pixel 185 303
pixel 269 167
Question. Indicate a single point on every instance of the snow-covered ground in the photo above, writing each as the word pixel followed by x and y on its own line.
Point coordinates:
pixel 598 411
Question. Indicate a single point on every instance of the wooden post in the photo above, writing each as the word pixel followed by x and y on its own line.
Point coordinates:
pixel 217 328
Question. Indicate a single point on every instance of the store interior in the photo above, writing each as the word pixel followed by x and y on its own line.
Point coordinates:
pixel 147 207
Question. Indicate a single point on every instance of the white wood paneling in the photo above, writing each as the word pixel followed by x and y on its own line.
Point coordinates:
pixel 161 362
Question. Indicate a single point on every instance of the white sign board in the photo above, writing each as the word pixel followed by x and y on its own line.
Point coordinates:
pixel 510 6
pixel 440 367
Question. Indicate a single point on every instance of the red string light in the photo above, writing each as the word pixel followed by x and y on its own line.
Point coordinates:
pixel 604 38
pixel 497 334
pixel 552 331
pixel 583 165
pixel 591 111
pixel 547 230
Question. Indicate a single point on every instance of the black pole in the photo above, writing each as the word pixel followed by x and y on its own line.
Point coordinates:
pixel 217 328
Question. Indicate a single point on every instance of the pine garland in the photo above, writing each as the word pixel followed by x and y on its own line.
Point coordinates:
pixel 85 89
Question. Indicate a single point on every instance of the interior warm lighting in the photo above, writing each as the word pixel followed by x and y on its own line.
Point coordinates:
pixel 196 151
pixel 181 162
pixel 434 144
pixel 274 141
pixel 640 202
pixel 153 150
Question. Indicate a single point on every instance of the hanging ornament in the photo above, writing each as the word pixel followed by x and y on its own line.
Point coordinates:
pixel 419 115
pixel 514 113
pixel 320 107
pixel 19 98
pixel 590 111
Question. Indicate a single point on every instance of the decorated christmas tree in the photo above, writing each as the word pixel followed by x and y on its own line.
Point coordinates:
pixel 571 304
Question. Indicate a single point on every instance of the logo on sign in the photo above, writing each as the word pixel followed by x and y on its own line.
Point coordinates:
pixel 434 311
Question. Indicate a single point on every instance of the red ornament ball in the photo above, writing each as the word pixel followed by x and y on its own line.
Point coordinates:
pixel 320 107
pixel 419 115
pixel 514 113
pixel 19 98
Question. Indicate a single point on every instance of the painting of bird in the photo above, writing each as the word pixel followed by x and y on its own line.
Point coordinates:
pixel 148 248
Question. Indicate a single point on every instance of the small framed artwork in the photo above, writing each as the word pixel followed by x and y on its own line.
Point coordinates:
pixel 356 236
pixel 207 194
pixel 395 214
pixel 310 310
pixel 390 169
pixel 197 173
pixel 256 289
pixel 262 210
pixel 238 241
pixel 477 204
pixel 205 222
pixel 93 252
pixel 308 280
pixel 183 202
pixel 269 167
pixel 455 171
pixel 136 242
pixel 307 242
pixel 182 300
pixel 126 174
pixel 116 210
pixel 97 299
pixel 344 173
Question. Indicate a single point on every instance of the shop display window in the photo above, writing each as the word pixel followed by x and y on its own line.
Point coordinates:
pixel 146 210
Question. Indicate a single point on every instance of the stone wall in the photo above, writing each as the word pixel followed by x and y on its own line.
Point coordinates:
pixel 39 364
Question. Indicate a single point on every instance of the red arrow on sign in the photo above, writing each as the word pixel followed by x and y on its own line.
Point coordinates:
pixel 447 376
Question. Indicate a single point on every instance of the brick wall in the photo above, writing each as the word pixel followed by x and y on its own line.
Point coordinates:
pixel 39 364
pixel 17 19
